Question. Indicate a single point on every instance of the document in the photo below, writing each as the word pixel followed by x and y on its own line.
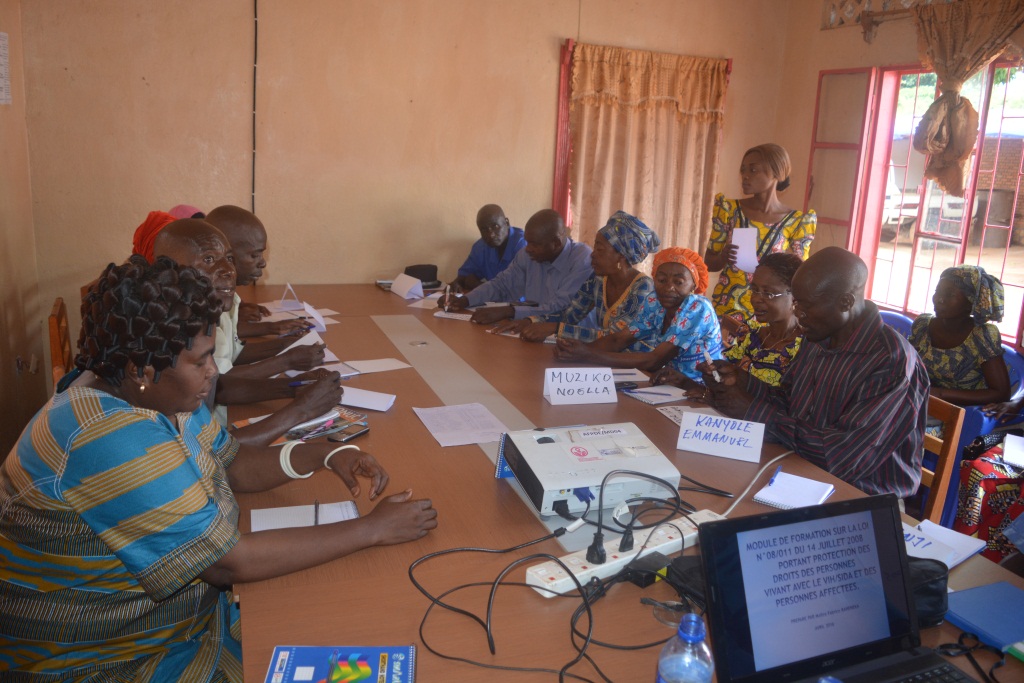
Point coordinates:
pixel 928 539
pixel 381 365
pixel 1013 450
pixel 370 400
pixel 303 515
pixel 341 368
pixel 429 301
pixel 629 375
pixel 461 425
pixel 675 413
pixel 746 256
pixel 309 340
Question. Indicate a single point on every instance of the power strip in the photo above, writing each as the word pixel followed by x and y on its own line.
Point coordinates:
pixel 549 578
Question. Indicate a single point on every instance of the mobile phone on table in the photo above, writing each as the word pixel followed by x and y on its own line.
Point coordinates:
pixel 349 432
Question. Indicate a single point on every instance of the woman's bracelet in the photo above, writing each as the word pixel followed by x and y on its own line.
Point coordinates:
pixel 286 461
pixel 339 448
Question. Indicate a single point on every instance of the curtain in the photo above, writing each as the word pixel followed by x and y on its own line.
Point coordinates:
pixel 646 132
pixel 956 41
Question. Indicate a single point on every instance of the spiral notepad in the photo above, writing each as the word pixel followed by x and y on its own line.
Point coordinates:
pixel 793 491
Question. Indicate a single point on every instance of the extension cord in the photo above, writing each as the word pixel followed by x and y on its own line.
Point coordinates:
pixel 549 578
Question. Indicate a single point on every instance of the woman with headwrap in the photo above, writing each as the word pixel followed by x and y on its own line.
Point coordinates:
pixel 959 345
pixel 118 522
pixel 764 172
pixel 770 341
pixel 675 328
pixel 614 296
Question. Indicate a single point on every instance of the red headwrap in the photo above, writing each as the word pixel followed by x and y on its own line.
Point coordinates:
pixel 145 234
pixel 689 258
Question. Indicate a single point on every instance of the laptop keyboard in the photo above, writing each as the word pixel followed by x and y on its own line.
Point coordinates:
pixel 943 673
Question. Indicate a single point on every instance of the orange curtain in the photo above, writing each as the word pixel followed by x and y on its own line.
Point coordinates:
pixel 646 131
pixel 956 41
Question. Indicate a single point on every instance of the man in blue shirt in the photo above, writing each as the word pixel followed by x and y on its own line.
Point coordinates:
pixel 542 278
pixel 491 254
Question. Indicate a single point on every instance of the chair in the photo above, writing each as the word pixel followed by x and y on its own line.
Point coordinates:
pixel 60 341
pixel 938 480
pixel 897 321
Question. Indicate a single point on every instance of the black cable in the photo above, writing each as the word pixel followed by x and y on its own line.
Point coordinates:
pixel 255 61
pixel 703 488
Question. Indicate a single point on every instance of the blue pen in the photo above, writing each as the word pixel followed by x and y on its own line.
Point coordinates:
pixel 777 470
pixel 302 383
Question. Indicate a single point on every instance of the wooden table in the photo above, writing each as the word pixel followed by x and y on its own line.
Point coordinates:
pixel 368 599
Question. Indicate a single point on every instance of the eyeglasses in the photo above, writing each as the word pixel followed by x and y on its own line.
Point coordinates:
pixel 769 296
pixel 967 644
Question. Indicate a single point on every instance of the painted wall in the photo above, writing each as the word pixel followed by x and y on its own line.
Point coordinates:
pixel 23 309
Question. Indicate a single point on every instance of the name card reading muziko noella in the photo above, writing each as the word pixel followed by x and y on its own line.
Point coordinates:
pixel 564 386
pixel 721 436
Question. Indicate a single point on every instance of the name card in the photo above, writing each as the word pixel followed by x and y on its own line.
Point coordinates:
pixel 407 287
pixel 289 304
pixel 564 386
pixel 721 436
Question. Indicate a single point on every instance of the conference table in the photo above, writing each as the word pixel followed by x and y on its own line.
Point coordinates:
pixel 368 599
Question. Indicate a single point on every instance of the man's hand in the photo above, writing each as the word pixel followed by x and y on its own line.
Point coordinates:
pixel 452 303
pixel 492 314
pixel 728 395
pixel 252 313
pixel 289 328
pixel 397 519
pixel 305 357
pixel 465 283
pixel 351 463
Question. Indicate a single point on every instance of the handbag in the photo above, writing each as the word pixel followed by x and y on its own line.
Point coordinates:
pixel 928 579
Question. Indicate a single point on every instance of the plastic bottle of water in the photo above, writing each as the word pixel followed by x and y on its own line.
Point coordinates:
pixel 686 658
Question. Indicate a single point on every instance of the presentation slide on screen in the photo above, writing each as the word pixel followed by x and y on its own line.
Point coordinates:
pixel 812 588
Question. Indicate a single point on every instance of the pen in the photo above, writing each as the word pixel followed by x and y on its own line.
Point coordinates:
pixel 644 391
pixel 295 332
pixel 711 362
pixel 447 297
pixel 777 470
pixel 316 513
pixel 302 383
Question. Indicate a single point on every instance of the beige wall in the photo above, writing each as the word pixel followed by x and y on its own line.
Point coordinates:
pixel 23 310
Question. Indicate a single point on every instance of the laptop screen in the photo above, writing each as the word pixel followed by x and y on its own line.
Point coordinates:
pixel 797 593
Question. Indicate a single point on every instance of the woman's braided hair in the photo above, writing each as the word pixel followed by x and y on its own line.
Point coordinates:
pixel 146 314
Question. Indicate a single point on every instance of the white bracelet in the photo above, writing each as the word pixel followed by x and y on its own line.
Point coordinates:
pixel 339 448
pixel 286 461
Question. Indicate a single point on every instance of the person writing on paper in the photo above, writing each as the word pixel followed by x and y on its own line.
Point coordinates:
pixel 196 243
pixel 614 296
pixel 492 253
pixel 675 328
pixel 118 516
pixel 959 345
pixel 853 401
pixel 545 275
pixel 764 173
pixel 248 241
pixel 772 339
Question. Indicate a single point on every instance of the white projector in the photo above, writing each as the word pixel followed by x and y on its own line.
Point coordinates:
pixel 555 464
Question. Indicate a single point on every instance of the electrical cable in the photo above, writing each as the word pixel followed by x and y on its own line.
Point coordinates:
pixel 742 495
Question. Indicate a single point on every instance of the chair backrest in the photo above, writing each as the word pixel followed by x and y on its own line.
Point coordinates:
pixel 897 321
pixel 60 341
pixel 945 449
pixel 1015 366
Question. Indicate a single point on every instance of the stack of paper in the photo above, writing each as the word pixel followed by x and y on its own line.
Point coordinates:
pixel 929 540
pixel 461 425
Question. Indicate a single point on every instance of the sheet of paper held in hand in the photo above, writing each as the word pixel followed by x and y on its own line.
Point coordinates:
pixel 461 425
pixel 746 256
pixel 379 365
pixel 310 339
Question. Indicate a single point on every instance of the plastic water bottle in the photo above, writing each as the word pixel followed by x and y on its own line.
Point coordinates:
pixel 686 658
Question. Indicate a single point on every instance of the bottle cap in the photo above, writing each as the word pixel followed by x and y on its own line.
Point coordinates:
pixel 691 628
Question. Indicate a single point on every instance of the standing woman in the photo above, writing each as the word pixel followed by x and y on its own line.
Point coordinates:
pixel 959 345
pixel 616 294
pixel 764 173
pixel 118 522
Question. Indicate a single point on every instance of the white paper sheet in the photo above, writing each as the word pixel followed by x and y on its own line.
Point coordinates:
pixel 656 395
pixel 746 256
pixel 962 545
pixel 302 515
pixel 1013 449
pixel 379 365
pixel 675 413
pixel 630 375
pixel 461 425
pixel 313 338
pixel 342 369
pixel 427 301
pixel 407 287
pixel 368 400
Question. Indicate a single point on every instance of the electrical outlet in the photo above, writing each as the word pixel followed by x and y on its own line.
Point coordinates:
pixel 549 578
pixel 33 365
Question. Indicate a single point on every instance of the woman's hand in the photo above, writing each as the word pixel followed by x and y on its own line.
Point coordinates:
pixel 513 326
pixel 317 398
pixel 573 349
pixel 305 357
pixel 351 463
pixel 397 519
pixel 538 332
pixel 1004 411
pixel 717 260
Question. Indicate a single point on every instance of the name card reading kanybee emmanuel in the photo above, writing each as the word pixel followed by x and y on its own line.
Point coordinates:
pixel 563 386
pixel 721 436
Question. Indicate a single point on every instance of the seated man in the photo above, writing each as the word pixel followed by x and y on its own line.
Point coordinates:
pixel 493 252
pixel 194 242
pixel 247 239
pixel 546 274
pixel 854 400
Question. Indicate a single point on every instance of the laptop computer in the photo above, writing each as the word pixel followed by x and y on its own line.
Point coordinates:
pixel 797 594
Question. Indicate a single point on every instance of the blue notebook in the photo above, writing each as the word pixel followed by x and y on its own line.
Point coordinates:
pixel 314 664
pixel 992 612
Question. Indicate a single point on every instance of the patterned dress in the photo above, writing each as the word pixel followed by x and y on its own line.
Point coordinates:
pixel 693 328
pixel 794 234
pixel 108 513
pixel 589 316
pixel 959 367
pixel 766 364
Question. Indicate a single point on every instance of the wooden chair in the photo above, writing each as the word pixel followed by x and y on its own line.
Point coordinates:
pixel 60 341
pixel 945 449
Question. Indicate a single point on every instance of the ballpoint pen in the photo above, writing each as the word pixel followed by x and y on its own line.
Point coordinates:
pixel 645 391
pixel 302 382
pixel 711 362
pixel 777 470
pixel 447 297
pixel 316 513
